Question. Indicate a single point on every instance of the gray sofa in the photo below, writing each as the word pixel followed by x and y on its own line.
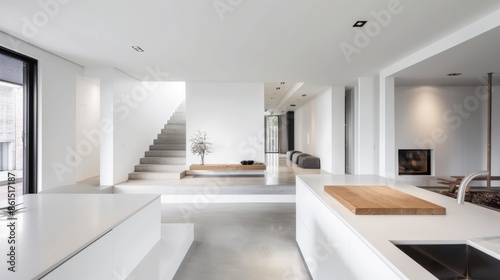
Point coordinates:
pixel 304 160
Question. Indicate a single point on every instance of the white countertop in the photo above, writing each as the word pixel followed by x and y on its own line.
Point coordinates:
pixel 467 223
pixel 54 227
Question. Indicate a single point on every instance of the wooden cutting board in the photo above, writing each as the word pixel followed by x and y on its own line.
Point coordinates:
pixel 382 200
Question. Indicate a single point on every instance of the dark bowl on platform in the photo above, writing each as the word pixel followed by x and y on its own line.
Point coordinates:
pixel 247 162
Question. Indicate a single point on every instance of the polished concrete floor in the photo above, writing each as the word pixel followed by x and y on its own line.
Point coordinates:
pixel 239 241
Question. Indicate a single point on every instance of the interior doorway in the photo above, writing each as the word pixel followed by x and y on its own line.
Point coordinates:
pixel 272 134
pixel 18 112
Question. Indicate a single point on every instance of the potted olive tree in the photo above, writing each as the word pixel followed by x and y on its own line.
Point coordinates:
pixel 200 146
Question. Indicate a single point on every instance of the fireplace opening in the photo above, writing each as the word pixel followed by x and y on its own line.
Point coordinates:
pixel 414 162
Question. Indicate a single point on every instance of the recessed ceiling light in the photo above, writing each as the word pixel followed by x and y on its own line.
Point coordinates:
pixel 359 23
pixel 292 105
pixel 137 49
pixel 454 74
pixel 278 88
pixel 282 83
pixel 304 95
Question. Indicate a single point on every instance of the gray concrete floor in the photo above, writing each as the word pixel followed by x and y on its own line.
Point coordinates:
pixel 239 241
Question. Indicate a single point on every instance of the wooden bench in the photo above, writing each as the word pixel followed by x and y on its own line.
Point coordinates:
pixel 455 181
pixel 226 169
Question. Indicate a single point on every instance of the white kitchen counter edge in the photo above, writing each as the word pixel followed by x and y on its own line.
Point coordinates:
pixel 382 246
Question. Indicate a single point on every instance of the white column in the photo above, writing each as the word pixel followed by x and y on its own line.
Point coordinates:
pixel 366 126
pixel 338 130
pixel 387 142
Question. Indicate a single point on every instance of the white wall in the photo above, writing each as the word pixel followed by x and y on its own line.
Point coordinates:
pixel 56 122
pixel 232 114
pixel 495 131
pixel 366 126
pixel 319 129
pixel 349 121
pixel 87 122
pixel 450 120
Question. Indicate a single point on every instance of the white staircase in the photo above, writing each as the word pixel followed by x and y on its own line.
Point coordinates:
pixel 166 158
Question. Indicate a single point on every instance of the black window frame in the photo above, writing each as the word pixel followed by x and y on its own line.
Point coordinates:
pixel 30 136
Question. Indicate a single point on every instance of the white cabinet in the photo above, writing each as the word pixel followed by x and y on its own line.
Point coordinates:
pixel 331 250
pixel 324 245
pixel 115 254
pixel 93 262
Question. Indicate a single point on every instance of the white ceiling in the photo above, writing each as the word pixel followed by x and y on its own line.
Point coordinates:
pixel 474 59
pixel 252 41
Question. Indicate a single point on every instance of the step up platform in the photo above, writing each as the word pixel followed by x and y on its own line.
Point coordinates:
pixel 227 169
pixel 165 258
pixel 157 175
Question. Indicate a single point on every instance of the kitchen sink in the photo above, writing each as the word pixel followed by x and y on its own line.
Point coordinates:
pixel 453 261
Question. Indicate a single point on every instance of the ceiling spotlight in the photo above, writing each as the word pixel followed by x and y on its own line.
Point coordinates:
pixel 454 74
pixel 272 97
pixel 282 83
pixel 137 49
pixel 292 105
pixel 359 23
pixel 278 88
pixel 304 95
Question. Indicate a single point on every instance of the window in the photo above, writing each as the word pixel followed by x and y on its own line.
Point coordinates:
pixel 18 112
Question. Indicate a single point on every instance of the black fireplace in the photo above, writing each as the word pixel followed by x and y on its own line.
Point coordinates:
pixel 414 162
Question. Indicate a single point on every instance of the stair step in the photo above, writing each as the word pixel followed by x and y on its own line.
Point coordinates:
pixel 180 116
pixel 172 136
pixel 176 122
pixel 156 175
pixel 169 141
pixel 156 147
pixel 175 125
pixel 163 160
pixel 159 168
pixel 173 130
pixel 169 153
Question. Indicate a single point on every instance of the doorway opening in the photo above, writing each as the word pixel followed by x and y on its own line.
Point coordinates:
pixel 272 134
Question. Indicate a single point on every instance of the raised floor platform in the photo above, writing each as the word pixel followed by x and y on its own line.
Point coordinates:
pixel 162 262
pixel 226 169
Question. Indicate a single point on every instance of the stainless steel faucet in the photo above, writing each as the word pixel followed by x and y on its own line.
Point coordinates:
pixel 465 182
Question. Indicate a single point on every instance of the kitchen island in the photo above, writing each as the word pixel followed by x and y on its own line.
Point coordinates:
pixel 84 236
pixel 337 244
